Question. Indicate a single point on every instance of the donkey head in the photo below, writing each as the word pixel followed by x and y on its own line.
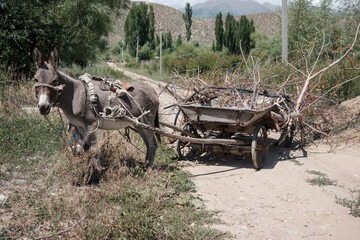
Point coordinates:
pixel 47 87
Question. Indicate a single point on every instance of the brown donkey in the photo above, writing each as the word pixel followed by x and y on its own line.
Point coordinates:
pixel 55 87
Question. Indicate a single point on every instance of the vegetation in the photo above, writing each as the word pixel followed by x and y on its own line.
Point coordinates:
pixel 188 21
pixel 320 180
pixel 236 33
pixel 353 204
pixel 79 29
pixel 219 32
pixel 137 27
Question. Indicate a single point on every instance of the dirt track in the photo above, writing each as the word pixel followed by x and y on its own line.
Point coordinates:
pixel 277 202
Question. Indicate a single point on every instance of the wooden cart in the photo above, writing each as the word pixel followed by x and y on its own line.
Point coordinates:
pixel 238 131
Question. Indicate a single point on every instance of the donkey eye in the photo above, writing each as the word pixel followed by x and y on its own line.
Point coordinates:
pixel 36 80
pixel 54 83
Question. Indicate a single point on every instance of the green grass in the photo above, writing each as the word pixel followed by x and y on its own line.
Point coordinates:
pixel 25 136
pixel 152 71
pixel 320 180
pixel 99 70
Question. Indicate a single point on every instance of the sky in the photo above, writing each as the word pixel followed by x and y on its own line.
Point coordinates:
pixel 177 4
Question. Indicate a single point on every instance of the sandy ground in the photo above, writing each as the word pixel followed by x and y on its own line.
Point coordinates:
pixel 277 202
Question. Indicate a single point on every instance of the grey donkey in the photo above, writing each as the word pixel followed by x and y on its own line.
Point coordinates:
pixel 56 87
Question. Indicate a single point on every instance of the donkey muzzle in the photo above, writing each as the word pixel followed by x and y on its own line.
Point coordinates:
pixel 44 104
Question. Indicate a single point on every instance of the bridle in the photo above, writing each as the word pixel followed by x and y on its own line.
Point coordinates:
pixel 57 89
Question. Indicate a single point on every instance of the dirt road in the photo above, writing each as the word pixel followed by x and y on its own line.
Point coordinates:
pixel 277 202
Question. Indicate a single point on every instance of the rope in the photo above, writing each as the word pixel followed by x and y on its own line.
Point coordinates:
pixel 129 141
pixel 62 122
pixel 54 129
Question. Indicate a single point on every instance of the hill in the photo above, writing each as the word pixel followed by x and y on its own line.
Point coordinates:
pixel 202 28
pixel 210 8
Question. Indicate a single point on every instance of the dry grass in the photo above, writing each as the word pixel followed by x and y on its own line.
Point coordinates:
pixel 126 201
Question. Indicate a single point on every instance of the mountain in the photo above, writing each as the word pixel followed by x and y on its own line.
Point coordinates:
pixel 271 7
pixel 210 8
pixel 202 28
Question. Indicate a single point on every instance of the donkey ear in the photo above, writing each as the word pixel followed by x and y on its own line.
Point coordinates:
pixel 54 56
pixel 37 56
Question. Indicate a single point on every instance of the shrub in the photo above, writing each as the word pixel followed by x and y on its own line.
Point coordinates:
pixel 145 52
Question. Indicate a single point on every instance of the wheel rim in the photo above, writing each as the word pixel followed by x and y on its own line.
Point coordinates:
pixel 183 148
pixel 259 146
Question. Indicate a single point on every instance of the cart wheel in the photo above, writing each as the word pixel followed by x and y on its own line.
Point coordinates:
pixel 183 149
pixel 259 146
pixel 290 136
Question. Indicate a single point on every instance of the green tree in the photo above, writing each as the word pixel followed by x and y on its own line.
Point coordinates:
pixel 213 47
pixel 79 28
pixel 188 21
pixel 350 9
pixel 178 40
pixel 169 44
pixel 219 31
pixel 229 35
pixel 301 22
pixel 243 32
pixel 152 27
pixel 136 25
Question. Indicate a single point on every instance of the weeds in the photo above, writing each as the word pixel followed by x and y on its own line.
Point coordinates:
pixel 353 204
pixel 320 180
pixel 296 162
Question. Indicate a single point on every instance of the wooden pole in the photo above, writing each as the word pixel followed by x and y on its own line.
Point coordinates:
pixel 137 49
pixel 160 49
pixel 183 138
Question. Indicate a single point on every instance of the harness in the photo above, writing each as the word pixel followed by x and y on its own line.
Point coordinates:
pixel 117 90
pixel 57 90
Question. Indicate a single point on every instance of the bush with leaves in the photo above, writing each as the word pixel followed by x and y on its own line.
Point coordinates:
pixel 79 28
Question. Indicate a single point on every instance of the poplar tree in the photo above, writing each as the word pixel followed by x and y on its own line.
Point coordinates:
pixel 169 41
pixel 188 21
pixel 229 35
pixel 243 32
pixel 136 25
pixel 219 31
pixel 179 40
pixel 152 27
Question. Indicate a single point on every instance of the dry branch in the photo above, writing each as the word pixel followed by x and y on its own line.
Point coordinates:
pixel 310 77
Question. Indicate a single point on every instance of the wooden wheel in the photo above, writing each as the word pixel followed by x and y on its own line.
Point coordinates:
pixel 289 137
pixel 183 148
pixel 259 146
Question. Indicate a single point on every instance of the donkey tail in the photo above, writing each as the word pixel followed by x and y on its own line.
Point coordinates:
pixel 157 125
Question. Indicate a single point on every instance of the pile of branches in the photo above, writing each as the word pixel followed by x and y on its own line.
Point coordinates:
pixel 320 115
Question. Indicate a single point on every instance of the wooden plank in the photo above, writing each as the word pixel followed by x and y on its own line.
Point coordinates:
pixel 177 129
pixel 183 138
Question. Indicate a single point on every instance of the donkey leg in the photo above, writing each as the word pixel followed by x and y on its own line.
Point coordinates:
pixel 144 138
pixel 152 146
